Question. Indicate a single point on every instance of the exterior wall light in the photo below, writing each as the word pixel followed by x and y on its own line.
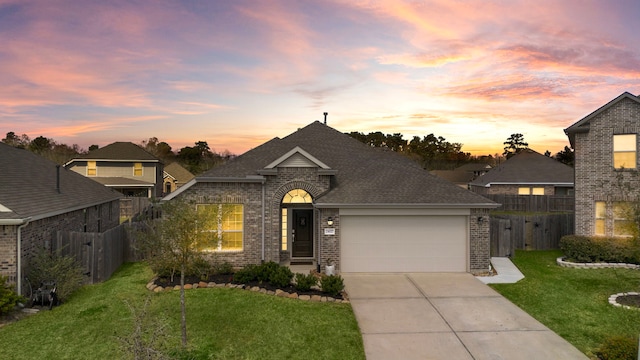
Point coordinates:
pixel 329 221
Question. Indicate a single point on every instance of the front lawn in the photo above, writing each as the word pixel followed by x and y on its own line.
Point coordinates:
pixel 222 324
pixel 573 302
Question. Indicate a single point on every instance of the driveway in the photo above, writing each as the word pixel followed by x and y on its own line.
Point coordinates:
pixel 446 316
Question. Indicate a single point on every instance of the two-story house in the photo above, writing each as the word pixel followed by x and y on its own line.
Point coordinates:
pixel 606 166
pixel 123 166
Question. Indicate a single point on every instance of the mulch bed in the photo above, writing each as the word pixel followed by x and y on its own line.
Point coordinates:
pixel 228 279
pixel 629 300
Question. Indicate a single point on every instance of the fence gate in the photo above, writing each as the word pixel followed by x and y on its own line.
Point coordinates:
pixel 528 232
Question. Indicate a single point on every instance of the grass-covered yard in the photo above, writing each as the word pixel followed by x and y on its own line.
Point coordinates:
pixel 222 324
pixel 573 302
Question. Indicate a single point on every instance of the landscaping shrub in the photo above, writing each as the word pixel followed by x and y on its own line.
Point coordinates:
pixel 585 249
pixel 64 270
pixel 200 267
pixel 281 276
pixel 8 297
pixel 332 284
pixel 223 268
pixel 246 274
pixel 618 348
pixel 305 282
pixel 266 270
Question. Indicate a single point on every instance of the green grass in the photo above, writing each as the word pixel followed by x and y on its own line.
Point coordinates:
pixel 222 323
pixel 573 302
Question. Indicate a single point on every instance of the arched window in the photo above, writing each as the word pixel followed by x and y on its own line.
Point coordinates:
pixel 297 196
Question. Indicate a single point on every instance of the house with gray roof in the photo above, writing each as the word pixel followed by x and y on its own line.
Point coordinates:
pixel 605 144
pixel 123 166
pixel 319 196
pixel 38 198
pixel 175 176
pixel 526 173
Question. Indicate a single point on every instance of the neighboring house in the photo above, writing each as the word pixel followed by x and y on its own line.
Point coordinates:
pixel 123 166
pixel 175 176
pixel 526 173
pixel 464 174
pixel 606 166
pixel 39 198
pixel 321 196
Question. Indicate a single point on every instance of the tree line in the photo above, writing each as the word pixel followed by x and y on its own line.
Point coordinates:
pixel 436 153
pixel 431 152
pixel 197 159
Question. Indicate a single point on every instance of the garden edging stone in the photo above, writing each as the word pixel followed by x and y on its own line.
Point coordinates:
pixel 560 261
pixel 152 286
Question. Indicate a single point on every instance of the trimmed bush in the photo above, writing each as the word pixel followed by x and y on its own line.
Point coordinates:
pixel 8 297
pixel 585 249
pixel 618 348
pixel 281 277
pixel 266 270
pixel 332 284
pixel 305 282
pixel 246 274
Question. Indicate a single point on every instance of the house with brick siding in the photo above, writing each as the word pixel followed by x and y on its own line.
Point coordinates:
pixel 318 196
pixel 123 166
pixel 526 173
pixel 39 198
pixel 605 145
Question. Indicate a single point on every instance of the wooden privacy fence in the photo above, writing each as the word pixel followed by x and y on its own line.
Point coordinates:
pixel 528 232
pixel 131 206
pixel 533 203
pixel 99 254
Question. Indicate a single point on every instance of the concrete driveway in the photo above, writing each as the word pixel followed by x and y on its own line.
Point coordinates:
pixel 446 316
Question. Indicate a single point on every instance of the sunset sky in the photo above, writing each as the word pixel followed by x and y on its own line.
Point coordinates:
pixel 238 73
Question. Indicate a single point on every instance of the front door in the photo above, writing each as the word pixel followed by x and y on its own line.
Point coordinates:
pixel 302 233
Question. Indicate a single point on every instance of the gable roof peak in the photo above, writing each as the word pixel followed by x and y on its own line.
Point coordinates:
pixel 583 124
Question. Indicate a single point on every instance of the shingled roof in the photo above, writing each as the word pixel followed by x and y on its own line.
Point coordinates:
pixel 362 174
pixel 527 167
pixel 119 151
pixel 28 187
pixel 179 173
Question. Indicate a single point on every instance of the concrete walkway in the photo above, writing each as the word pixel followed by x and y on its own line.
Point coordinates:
pixel 507 272
pixel 446 316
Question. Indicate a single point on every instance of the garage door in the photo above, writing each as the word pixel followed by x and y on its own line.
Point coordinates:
pixel 403 243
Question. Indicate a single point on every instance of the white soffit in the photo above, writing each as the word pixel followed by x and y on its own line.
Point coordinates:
pixel 297 157
pixel 4 209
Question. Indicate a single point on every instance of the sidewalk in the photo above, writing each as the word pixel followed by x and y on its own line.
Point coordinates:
pixel 507 272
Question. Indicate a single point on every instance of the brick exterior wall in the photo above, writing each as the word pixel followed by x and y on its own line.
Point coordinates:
pixel 479 248
pixel 39 234
pixel 325 246
pixel 595 176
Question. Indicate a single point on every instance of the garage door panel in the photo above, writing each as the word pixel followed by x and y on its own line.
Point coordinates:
pixel 403 243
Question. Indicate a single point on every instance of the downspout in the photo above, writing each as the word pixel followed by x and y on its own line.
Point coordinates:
pixel 263 222
pixel 19 256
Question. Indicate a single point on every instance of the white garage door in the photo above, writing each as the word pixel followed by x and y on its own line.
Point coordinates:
pixel 403 243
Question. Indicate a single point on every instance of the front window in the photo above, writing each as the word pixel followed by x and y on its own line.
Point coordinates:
pixel 227 226
pixel 137 169
pixel 92 168
pixel 524 191
pixel 601 211
pixel 624 151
